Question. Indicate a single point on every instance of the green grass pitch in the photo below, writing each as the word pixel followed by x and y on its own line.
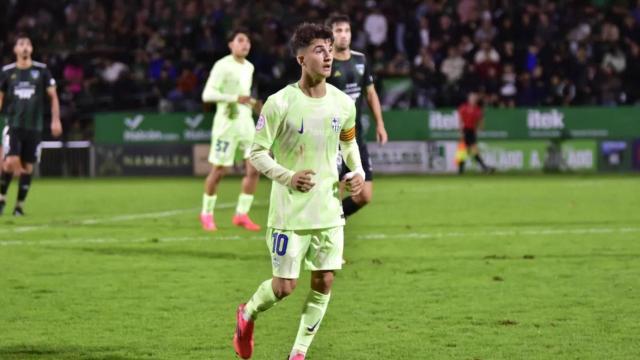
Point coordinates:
pixel 503 267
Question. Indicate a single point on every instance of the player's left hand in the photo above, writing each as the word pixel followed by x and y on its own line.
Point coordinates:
pixel 381 135
pixel 56 128
pixel 354 183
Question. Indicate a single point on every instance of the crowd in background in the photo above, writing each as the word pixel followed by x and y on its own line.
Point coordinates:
pixel 157 54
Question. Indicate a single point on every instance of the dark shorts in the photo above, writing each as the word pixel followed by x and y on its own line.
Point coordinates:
pixel 470 137
pixel 22 143
pixel 364 158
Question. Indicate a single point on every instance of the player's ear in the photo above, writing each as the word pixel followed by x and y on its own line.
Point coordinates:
pixel 300 59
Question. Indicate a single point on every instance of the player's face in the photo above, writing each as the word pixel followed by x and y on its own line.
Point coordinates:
pixel 317 58
pixel 240 45
pixel 23 48
pixel 342 35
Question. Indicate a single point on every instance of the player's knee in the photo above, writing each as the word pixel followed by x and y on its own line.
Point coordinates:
pixel 12 165
pixel 284 288
pixel 322 281
pixel 27 169
pixel 217 173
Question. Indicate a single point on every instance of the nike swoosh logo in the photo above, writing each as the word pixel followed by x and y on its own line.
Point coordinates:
pixel 313 328
pixel 301 131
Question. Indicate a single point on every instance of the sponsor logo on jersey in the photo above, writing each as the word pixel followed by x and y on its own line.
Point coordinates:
pixel 261 122
pixel 335 124
pixel 360 68
pixel 24 90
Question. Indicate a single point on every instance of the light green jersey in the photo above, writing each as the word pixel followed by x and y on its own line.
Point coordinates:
pixel 304 133
pixel 228 80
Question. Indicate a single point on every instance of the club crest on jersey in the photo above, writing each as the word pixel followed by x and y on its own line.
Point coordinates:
pixel 261 122
pixel 335 124
pixel 35 74
pixel 360 68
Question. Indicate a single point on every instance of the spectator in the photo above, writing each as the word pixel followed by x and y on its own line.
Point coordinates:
pixel 376 26
pixel 486 57
pixel 453 66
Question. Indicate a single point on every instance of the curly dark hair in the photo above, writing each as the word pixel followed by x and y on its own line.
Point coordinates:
pixel 307 32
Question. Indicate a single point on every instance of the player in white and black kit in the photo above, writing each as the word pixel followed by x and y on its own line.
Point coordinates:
pixel 350 73
pixel 24 87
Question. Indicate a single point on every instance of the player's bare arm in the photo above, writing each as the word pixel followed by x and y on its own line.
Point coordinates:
pixel 56 125
pixel 374 104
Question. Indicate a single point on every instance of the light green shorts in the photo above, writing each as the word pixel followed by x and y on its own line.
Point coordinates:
pixel 320 249
pixel 223 150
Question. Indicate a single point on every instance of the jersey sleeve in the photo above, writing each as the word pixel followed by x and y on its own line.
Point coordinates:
pixel 48 79
pixel 268 123
pixel 368 77
pixel 348 131
pixel 213 89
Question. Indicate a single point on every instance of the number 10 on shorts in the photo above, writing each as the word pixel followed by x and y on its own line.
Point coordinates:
pixel 280 242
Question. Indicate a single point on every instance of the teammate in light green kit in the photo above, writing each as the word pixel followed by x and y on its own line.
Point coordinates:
pixel 229 86
pixel 302 125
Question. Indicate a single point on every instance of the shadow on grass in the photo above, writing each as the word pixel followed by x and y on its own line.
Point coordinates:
pixel 201 254
pixel 16 352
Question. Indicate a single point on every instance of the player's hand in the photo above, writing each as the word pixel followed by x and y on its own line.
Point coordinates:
pixel 56 128
pixel 301 180
pixel 244 100
pixel 381 135
pixel 354 183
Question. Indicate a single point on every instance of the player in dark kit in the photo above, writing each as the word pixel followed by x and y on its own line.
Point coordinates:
pixel 471 117
pixel 350 73
pixel 24 86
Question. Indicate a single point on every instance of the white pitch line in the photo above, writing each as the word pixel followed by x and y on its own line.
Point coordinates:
pixel 137 240
pixel 119 218
pixel 370 236
pixel 497 233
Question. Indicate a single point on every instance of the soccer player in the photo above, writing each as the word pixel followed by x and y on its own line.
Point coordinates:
pixel 471 117
pixel 350 73
pixel 229 86
pixel 302 125
pixel 24 86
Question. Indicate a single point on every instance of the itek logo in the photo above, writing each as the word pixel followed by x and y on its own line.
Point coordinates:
pixel 133 123
pixel 443 121
pixel 193 122
pixel 540 120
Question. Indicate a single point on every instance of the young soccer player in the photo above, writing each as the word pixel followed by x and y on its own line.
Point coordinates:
pixel 302 125
pixel 229 86
pixel 24 86
pixel 350 73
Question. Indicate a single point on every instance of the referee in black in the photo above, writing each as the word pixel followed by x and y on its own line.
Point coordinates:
pixel 24 86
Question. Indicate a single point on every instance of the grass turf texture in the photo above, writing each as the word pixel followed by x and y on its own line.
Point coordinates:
pixel 438 268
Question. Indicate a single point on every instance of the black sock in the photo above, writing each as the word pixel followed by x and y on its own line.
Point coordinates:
pixel 479 160
pixel 5 181
pixel 461 167
pixel 25 184
pixel 349 206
